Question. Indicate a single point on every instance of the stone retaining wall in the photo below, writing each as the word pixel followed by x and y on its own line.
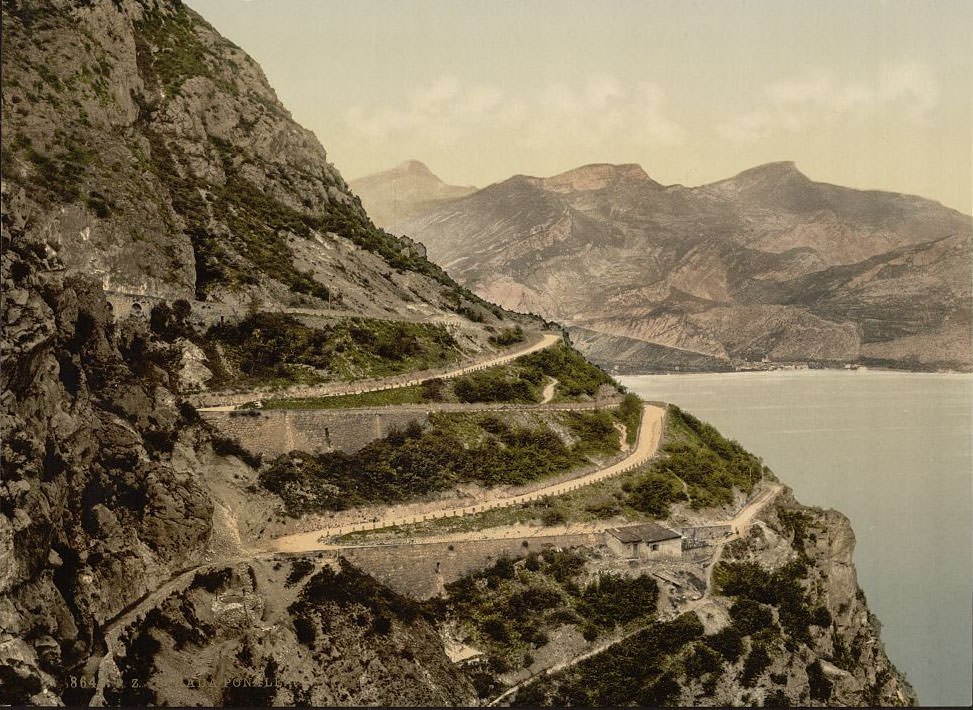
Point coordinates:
pixel 421 570
pixel 277 431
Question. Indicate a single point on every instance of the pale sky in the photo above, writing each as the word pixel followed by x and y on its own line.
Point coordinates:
pixel 869 94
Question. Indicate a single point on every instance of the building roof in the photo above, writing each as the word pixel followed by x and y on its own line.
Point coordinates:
pixel 647 532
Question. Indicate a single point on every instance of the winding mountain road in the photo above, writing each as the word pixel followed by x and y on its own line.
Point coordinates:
pixel 647 443
pixel 226 401
pixel 649 436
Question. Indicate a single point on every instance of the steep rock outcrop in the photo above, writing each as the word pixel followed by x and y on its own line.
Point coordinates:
pixel 289 633
pixel 154 157
pixel 93 511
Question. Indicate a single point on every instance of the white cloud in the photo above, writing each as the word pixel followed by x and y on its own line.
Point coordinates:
pixel 586 113
pixel 794 105
pixel 600 111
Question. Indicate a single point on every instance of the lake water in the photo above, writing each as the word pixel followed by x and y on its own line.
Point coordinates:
pixel 892 451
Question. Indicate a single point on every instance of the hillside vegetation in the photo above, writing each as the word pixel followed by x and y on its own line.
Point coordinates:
pixel 510 610
pixel 520 382
pixel 269 347
pixel 711 466
pixel 454 448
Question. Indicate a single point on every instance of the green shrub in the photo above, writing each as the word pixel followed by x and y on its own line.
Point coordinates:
pixel 628 673
pixel 711 466
pixel 702 661
pixel 226 446
pixel 630 414
pixel 749 616
pixel 575 375
pixel 495 385
pixel 595 432
pixel 661 692
pixel 350 587
pixel 728 642
pixel 305 630
pixel 211 580
pixel 606 508
pixel 819 685
pixel 508 336
pixel 782 589
pixel 654 493
pixel 273 346
pixel 180 53
pixel 300 568
pixel 510 608
pixel 612 600
pixel 756 662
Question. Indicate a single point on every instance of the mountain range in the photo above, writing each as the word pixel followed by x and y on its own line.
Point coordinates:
pixel 768 266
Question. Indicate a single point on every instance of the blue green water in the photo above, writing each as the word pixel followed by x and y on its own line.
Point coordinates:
pixel 892 451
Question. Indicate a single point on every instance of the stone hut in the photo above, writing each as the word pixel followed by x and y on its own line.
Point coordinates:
pixel 644 542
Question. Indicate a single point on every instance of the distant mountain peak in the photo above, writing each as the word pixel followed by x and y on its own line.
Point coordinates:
pixel 400 192
pixel 415 167
pixel 596 176
pixel 779 170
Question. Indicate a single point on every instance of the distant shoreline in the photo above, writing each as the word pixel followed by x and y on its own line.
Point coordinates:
pixel 789 369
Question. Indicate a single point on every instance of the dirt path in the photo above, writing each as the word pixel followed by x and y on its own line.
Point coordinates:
pixel 549 390
pixel 222 401
pixel 741 521
pixel 557 668
pixel 650 433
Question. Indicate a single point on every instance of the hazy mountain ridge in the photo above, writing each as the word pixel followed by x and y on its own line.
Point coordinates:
pixel 404 191
pixel 880 276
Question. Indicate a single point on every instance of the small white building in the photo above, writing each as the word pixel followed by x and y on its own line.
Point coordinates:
pixel 644 542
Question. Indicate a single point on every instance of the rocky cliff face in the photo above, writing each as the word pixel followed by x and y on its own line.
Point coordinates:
pixel 765 265
pixel 403 192
pixel 98 505
pixel 785 625
pixel 281 633
pixel 843 663
pixel 153 156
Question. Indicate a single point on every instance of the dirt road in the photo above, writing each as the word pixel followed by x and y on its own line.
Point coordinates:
pixel 650 434
pixel 226 401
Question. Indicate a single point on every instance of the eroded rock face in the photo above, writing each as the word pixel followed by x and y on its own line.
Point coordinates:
pixel 843 662
pixel 283 632
pixel 93 513
pixel 152 155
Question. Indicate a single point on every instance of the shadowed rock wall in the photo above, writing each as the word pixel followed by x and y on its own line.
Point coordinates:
pixel 278 431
